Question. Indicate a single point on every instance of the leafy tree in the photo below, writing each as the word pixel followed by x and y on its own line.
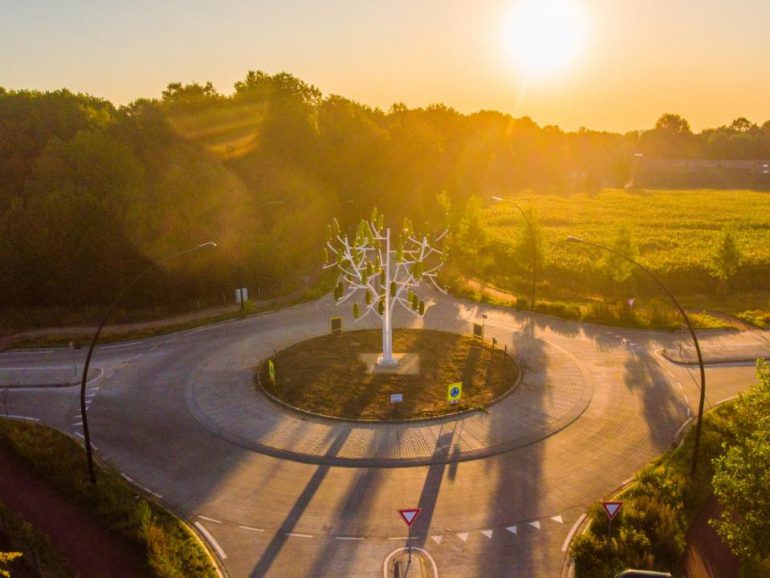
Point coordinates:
pixel 727 256
pixel 673 123
pixel 617 268
pixel 471 234
pixel 742 476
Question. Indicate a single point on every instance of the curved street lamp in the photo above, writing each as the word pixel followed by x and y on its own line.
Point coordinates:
pixel 84 378
pixel 692 334
pixel 534 246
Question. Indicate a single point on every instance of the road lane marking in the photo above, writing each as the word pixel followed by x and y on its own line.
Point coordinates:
pixel 119 345
pixel 437 539
pixel 488 533
pixel 211 540
pixel 214 520
pixel 535 524
pixel 463 536
pixel 558 519
pixel 251 529
pixel 513 530
pixel 24 417
pixel 393 538
pixel 298 535
pixel 348 538
pixel 572 531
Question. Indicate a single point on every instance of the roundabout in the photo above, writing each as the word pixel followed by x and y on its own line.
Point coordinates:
pixel 223 398
pixel 500 489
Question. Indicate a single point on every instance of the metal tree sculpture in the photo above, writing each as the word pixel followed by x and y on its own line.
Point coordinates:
pixel 384 276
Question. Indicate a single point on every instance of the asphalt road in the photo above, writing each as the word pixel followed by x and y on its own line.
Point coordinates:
pixel 282 495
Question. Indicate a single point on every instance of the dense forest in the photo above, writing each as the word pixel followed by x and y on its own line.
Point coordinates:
pixel 91 193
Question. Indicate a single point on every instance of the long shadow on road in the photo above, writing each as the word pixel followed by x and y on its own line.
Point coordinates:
pixel 282 534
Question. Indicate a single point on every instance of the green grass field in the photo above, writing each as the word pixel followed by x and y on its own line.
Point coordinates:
pixel 676 232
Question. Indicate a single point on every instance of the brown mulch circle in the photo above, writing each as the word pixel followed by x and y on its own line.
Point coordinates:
pixel 326 375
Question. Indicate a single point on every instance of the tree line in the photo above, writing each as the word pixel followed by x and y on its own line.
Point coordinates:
pixel 91 193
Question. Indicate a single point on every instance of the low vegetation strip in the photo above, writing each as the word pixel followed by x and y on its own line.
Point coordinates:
pixel 327 375
pixel 663 501
pixel 170 548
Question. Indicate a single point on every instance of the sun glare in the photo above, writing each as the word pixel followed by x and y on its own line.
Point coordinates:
pixel 545 36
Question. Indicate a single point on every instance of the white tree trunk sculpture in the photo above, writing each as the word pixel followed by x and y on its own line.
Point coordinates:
pixel 384 276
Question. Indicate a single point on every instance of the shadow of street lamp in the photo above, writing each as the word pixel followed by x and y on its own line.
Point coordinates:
pixel 84 377
pixel 694 467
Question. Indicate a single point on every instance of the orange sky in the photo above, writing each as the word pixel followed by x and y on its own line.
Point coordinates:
pixel 705 59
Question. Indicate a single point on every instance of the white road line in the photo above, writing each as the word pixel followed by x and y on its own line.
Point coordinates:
pixel 513 530
pixel 535 524
pixel 572 531
pixel 671 373
pixel 81 436
pixel 679 383
pixel 210 519
pixel 119 345
pixel 126 476
pixel 170 340
pixel 399 538
pixel 687 400
pixel 250 529
pixel 24 417
pixel 681 428
pixel 348 538
pixel 37 368
pixel 211 540
pixel 298 535
pixel 153 348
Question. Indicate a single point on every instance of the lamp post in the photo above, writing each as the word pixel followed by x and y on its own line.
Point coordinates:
pixel 534 246
pixel 694 467
pixel 84 378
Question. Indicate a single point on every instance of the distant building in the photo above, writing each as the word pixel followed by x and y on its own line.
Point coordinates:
pixel 706 173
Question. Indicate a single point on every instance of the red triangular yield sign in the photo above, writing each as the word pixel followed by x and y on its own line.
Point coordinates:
pixel 612 508
pixel 410 515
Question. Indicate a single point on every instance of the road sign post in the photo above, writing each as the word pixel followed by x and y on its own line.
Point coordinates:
pixel 611 508
pixel 409 515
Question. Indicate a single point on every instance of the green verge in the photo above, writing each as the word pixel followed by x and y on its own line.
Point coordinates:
pixel 171 548
pixel 645 314
pixel 659 508
pixel 111 336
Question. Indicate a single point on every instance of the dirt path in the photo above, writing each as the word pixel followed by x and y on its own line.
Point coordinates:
pixel 706 555
pixel 91 549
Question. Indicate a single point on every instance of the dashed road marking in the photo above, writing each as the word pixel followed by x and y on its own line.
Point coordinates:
pixel 215 521
pixel 437 539
pixel 488 533
pixel 535 524
pixel 463 536
pixel 250 529
pixel 558 519
pixel 211 540
pixel 298 535
pixel 513 530
pixel 348 537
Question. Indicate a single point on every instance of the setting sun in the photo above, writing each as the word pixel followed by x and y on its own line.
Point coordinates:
pixel 544 36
